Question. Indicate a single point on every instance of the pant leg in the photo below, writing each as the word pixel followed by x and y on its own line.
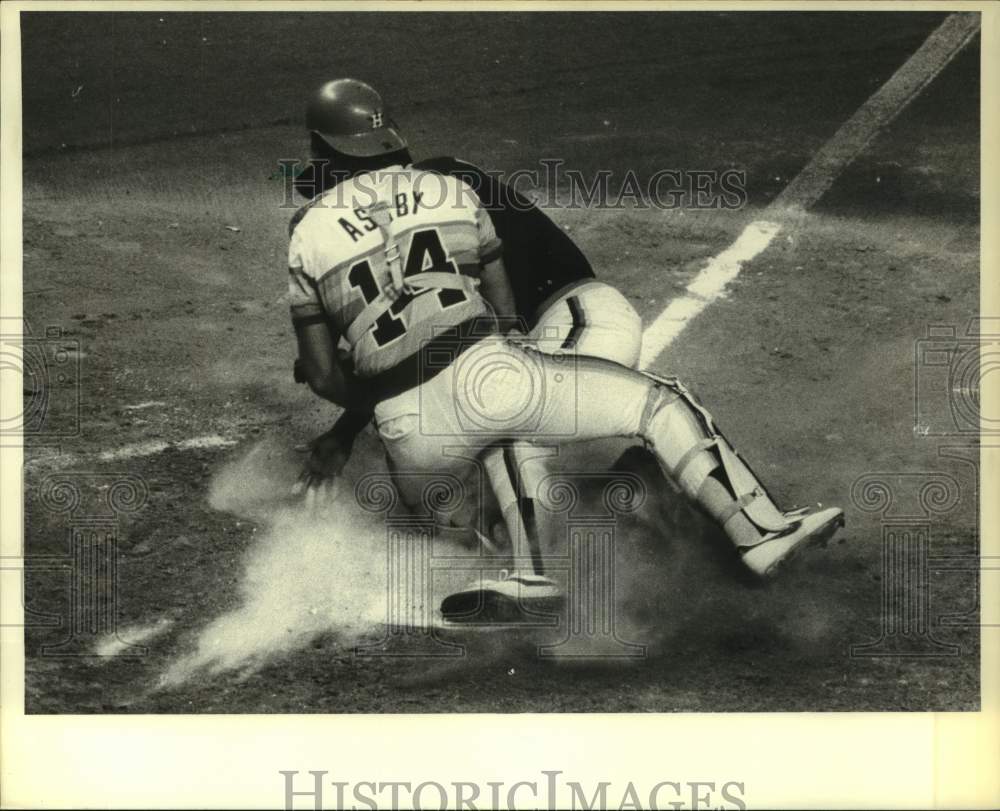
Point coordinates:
pixel 422 438
pixel 498 391
pixel 594 319
pixel 583 398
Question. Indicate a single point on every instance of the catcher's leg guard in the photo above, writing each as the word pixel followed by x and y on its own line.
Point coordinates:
pixel 708 469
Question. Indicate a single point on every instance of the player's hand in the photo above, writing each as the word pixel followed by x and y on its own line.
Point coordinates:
pixel 328 455
pixel 317 493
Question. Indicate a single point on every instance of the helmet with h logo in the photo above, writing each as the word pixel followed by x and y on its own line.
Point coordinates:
pixel 349 116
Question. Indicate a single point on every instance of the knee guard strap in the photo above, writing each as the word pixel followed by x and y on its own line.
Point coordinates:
pixel 684 438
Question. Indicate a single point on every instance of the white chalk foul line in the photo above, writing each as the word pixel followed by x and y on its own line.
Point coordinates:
pixel 708 285
pixel 813 181
pixel 150 448
pixel 134 451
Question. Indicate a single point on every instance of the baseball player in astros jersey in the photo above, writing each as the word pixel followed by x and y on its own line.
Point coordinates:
pixel 558 301
pixel 559 304
pixel 405 266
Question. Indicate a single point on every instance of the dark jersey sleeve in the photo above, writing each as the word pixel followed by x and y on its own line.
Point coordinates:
pixel 539 256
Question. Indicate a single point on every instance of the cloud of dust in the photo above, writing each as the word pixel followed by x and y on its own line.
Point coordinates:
pixel 679 586
pixel 310 572
pixel 313 573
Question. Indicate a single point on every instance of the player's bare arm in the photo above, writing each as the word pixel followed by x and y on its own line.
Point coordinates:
pixel 495 288
pixel 323 371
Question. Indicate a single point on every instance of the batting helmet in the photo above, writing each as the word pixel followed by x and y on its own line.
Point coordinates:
pixel 350 117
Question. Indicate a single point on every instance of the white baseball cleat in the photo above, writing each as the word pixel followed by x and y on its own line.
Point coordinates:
pixel 809 529
pixel 513 598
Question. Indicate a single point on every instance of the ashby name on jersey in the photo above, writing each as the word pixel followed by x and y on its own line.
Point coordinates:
pixel 339 261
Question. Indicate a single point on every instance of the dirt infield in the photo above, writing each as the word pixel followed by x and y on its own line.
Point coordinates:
pixel 155 238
